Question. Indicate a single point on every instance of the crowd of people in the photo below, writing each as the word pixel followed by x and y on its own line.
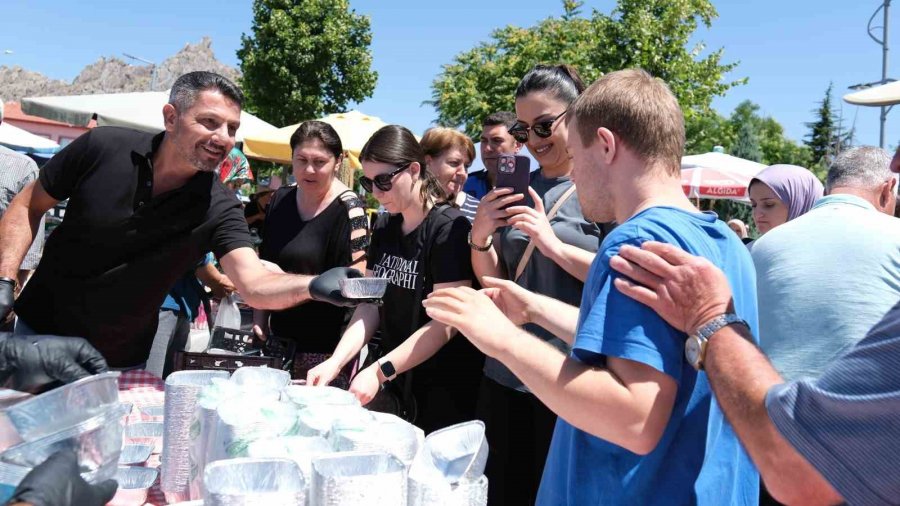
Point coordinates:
pixel 621 346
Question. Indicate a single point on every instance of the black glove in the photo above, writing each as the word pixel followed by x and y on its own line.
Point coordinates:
pixel 29 363
pixel 326 287
pixel 7 297
pixel 56 482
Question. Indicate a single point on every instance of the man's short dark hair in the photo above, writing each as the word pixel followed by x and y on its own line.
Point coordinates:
pixel 504 118
pixel 187 87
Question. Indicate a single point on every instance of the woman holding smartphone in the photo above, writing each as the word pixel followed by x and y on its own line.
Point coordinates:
pixel 419 245
pixel 519 426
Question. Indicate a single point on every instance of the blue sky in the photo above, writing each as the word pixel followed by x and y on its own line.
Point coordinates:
pixel 790 49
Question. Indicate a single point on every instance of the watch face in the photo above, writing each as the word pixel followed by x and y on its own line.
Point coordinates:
pixel 692 350
pixel 387 368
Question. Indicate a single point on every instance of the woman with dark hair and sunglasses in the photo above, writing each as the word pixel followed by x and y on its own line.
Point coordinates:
pixel 310 228
pixel 542 242
pixel 419 245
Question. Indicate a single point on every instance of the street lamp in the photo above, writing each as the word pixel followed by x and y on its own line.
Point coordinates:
pixel 883 42
pixel 152 69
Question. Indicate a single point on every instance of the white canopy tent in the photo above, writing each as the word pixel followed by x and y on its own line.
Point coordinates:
pixel 141 111
pixel 20 140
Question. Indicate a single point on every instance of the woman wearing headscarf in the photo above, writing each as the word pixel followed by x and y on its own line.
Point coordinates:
pixel 781 193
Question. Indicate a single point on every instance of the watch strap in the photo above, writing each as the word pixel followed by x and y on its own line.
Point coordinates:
pixel 487 246
pixel 712 326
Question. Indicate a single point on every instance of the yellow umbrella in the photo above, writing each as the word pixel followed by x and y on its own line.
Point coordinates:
pixel 353 127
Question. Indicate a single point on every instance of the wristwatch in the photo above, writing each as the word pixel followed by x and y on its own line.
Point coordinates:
pixel 490 241
pixel 387 369
pixel 695 346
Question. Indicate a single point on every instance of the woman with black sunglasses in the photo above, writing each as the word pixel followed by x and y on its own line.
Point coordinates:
pixel 419 244
pixel 519 426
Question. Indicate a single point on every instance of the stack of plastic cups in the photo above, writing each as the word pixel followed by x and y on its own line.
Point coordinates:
pixel 182 390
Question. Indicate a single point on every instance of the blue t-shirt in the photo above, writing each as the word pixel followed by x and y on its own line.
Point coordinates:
pixel 184 296
pixel 477 184
pixel 699 459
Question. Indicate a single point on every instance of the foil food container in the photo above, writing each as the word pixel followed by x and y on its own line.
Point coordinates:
pixel 320 420
pixel 351 479
pixel 363 288
pixel 181 392
pixel 304 396
pixel 245 419
pixel 135 454
pixel 240 482
pixel 389 434
pixel 456 453
pixel 146 433
pixel 134 485
pixel 97 441
pixel 261 377
pixel 438 492
pixel 300 449
pixel 10 477
pixel 63 407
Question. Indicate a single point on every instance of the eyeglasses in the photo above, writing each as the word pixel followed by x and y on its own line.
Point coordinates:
pixel 542 129
pixel 382 181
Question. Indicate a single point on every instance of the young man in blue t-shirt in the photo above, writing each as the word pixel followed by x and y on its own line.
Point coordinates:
pixel 637 422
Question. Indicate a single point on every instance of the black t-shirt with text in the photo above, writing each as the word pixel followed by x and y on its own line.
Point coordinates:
pixel 107 267
pixel 401 259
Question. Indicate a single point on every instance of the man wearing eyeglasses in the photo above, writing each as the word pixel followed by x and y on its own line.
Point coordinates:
pixel 637 422
pixel 143 209
pixel 495 140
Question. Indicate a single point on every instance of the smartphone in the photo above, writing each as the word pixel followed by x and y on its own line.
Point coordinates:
pixel 513 171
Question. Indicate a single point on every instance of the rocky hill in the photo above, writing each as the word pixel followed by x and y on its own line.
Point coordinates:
pixel 113 75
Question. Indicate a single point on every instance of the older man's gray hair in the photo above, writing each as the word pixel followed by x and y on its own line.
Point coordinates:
pixel 863 167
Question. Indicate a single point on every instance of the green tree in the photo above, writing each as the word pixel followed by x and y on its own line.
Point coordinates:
pixel 305 58
pixel 746 145
pixel 826 136
pixel 651 34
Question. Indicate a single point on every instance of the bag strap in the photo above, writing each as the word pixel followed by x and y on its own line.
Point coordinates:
pixel 523 262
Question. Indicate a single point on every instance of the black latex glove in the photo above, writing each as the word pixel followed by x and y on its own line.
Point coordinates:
pixel 29 363
pixel 326 287
pixel 56 482
pixel 7 298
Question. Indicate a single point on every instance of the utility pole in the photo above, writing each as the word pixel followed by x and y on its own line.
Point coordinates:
pixel 884 65
pixel 152 69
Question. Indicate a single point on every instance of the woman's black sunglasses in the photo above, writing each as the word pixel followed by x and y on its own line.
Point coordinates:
pixel 542 129
pixel 382 181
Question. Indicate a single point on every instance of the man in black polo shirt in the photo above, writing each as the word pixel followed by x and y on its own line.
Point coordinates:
pixel 143 209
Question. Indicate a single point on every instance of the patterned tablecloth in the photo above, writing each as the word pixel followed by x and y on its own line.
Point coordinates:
pixel 143 389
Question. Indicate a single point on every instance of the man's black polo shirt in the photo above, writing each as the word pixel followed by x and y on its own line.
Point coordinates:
pixel 107 268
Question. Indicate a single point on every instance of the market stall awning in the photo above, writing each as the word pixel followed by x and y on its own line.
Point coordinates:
pixel 26 142
pixel 717 176
pixel 886 94
pixel 141 111
pixel 353 127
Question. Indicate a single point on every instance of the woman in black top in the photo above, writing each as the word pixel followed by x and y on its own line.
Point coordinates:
pixel 311 227
pixel 419 245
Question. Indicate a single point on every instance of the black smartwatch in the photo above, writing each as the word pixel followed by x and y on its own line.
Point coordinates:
pixel 387 369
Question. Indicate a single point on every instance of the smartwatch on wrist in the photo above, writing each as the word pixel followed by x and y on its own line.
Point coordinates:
pixel 695 346
pixel 387 369
pixel 490 241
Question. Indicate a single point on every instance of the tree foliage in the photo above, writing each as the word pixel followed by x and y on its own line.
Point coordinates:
pixel 305 59
pixel 651 34
pixel 746 145
pixel 827 137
